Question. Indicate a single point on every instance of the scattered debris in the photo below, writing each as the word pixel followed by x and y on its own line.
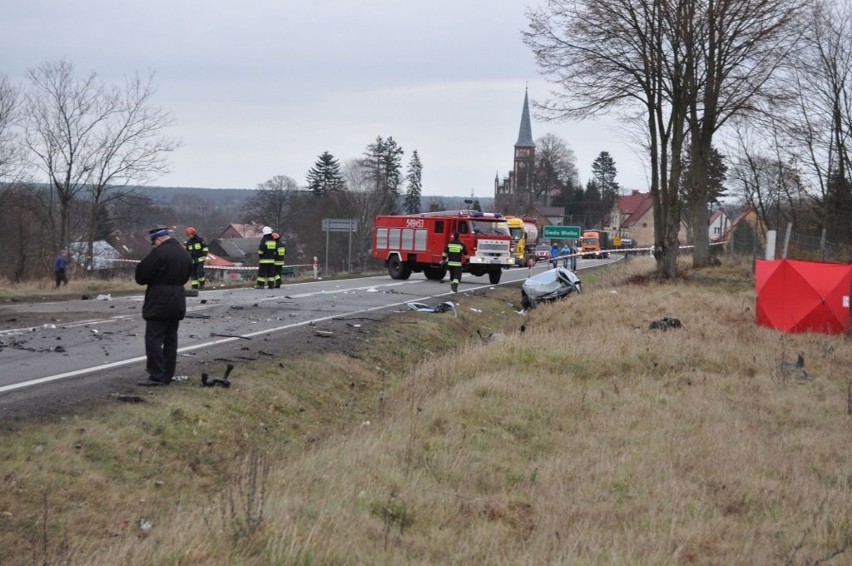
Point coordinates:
pixel 491 337
pixel 223 382
pixel 229 336
pixel 323 333
pixel 446 306
pixel 129 399
pixel 666 323
pixel 793 370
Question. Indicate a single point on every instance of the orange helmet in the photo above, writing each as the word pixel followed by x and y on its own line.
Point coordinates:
pixel 190 231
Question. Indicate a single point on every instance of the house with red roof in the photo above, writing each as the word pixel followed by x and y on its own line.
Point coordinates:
pixel 244 231
pixel 633 217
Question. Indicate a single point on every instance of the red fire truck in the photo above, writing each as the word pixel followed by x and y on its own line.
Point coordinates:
pixel 415 242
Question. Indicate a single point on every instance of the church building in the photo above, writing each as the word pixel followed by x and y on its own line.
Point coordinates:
pixel 514 194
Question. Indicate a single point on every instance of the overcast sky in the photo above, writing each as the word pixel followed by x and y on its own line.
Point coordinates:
pixel 260 88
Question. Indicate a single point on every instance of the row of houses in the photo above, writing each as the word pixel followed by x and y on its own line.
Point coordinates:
pixel 232 255
pixel 633 217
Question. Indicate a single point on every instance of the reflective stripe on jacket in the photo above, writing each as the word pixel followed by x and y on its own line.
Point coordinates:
pixel 267 250
pixel 454 253
pixel 280 252
pixel 197 248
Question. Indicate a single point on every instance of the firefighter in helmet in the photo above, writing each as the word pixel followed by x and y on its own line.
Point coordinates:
pixel 266 253
pixel 197 248
pixel 454 256
pixel 280 252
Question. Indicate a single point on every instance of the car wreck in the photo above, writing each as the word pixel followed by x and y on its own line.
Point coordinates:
pixel 549 286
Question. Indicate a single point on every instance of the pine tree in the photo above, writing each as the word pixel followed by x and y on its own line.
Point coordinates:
pixel 325 178
pixel 383 160
pixel 604 172
pixel 414 178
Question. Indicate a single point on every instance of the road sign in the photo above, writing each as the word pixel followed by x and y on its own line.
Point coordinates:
pixel 339 225
pixel 617 242
pixel 562 232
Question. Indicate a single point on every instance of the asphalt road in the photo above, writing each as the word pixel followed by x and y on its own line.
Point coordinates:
pixel 64 345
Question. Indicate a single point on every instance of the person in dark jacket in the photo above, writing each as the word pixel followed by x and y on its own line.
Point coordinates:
pixel 60 269
pixel 266 253
pixel 197 248
pixel 280 252
pixel 455 254
pixel 165 270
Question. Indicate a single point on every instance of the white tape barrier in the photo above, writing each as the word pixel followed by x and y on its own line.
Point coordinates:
pixel 631 251
pixel 224 267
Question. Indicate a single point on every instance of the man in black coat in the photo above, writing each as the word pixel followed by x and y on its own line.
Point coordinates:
pixel 165 271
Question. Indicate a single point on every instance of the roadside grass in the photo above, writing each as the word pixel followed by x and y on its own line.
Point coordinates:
pixel 585 438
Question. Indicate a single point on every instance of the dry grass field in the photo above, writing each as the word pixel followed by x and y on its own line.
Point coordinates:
pixel 585 438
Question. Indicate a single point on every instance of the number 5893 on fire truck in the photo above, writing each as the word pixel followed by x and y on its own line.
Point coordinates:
pixel 415 242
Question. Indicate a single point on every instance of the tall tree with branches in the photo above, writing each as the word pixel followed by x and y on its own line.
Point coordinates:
pixel 738 48
pixel 414 180
pixel 91 138
pixel 271 204
pixel 382 164
pixel 822 122
pixel 555 169
pixel 604 173
pixel 325 178
pixel 11 155
pixel 625 55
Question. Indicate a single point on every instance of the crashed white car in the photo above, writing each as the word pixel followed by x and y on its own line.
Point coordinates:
pixel 553 284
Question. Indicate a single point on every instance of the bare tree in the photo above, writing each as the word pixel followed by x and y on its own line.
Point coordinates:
pixel 626 55
pixel 11 155
pixel 764 180
pixel 556 167
pixel 822 123
pixel 737 48
pixel 91 138
pixel 367 202
pixel 271 205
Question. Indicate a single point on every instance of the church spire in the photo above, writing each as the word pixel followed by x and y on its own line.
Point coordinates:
pixel 525 138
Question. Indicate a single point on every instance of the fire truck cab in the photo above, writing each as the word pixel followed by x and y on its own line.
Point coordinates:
pixel 416 242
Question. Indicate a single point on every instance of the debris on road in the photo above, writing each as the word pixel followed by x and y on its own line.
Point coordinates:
pixel 446 306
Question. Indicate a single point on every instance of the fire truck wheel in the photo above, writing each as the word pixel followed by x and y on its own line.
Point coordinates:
pixel 494 275
pixel 397 269
pixel 434 273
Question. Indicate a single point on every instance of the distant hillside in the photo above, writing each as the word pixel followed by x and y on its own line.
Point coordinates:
pixel 215 196
pixel 222 197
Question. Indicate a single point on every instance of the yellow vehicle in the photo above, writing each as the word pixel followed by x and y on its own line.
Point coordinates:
pixel 595 243
pixel 524 235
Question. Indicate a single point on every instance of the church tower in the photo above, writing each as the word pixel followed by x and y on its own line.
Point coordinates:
pixel 514 194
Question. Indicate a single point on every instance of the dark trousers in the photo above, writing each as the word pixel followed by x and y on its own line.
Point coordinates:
pixel 265 275
pixel 455 273
pixel 197 278
pixel 61 278
pixel 161 343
